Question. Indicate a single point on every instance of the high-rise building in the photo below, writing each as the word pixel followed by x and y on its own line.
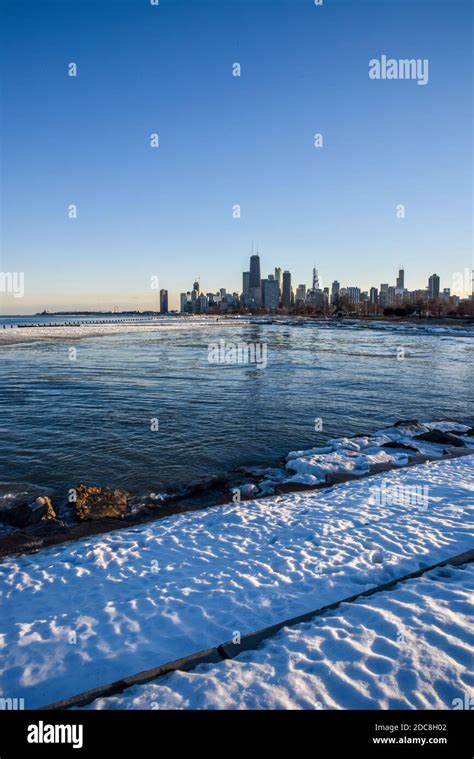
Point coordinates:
pixel 335 289
pixel 353 295
pixel 245 283
pixel 278 278
pixel 254 280
pixel 271 294
pixel 163 301
pixel 433 286
pixel 315 279
pixel 183 299
pixel 383 295
pixel 401 280
pixel 374 296
pixel 300 294
pixel 203 304
pixel 286 292
pixel 255 284
pixel 196 286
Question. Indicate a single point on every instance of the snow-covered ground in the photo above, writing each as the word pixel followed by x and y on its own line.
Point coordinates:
pixel 13 335
pixel 80 615
pixel 408 648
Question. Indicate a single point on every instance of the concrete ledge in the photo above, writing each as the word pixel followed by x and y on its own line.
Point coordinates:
pixel 249 642
pixel 209 656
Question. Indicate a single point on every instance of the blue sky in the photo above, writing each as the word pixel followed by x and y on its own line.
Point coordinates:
pixel 224 140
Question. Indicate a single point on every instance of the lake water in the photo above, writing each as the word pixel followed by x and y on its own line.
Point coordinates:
pixel 64 422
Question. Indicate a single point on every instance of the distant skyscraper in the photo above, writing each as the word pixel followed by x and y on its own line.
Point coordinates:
pixel 254 280
pixel 433 286
pixel 300 296
pixel 401 279
pixel 286 296
pixel 196 286
pixel 255 285
pixel 374 296
pixel 163 301
pixel 183 299
pixel 245 283
pixel 335 288
pixel 353 294
pixel 203 304
pixel 271 294
pixel 315 279
pixel 278 277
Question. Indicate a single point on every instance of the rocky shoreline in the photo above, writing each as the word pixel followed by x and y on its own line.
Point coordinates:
pixel 90 510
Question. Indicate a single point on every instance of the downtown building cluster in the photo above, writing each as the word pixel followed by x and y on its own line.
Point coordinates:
pixel 276 293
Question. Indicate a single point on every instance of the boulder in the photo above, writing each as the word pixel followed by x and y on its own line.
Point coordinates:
pixel 397 444
pixel 27 514
pixel 441 438
pixel 408 423
pixel 99 503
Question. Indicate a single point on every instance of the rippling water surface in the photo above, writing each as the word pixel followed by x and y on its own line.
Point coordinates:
pixel 65 422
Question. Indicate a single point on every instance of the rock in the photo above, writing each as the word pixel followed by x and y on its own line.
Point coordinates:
pixel 336 478
pixel 247 491
pixel 397 444
pixel 155 502
pixel 442 438
pixel 99 503
pixel 27 514
pixel 408 423
pixel 381 466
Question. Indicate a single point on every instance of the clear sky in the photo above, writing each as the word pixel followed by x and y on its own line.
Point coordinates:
pixel 225 140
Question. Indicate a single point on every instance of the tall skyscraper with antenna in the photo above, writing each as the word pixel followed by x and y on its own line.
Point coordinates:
pixel 255 287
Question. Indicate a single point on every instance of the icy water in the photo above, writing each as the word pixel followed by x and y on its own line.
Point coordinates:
pixel 64 422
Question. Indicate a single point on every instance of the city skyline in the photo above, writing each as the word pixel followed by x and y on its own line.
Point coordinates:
pixel 225 140
pixel 461 287
pixel 278 290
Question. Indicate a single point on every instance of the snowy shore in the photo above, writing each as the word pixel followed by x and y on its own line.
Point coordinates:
pixel 80 615
pixel 16 334
pixel 75 329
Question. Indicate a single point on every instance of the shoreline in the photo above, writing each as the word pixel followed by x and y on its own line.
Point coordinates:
pixel 70 331
pixel 317 468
